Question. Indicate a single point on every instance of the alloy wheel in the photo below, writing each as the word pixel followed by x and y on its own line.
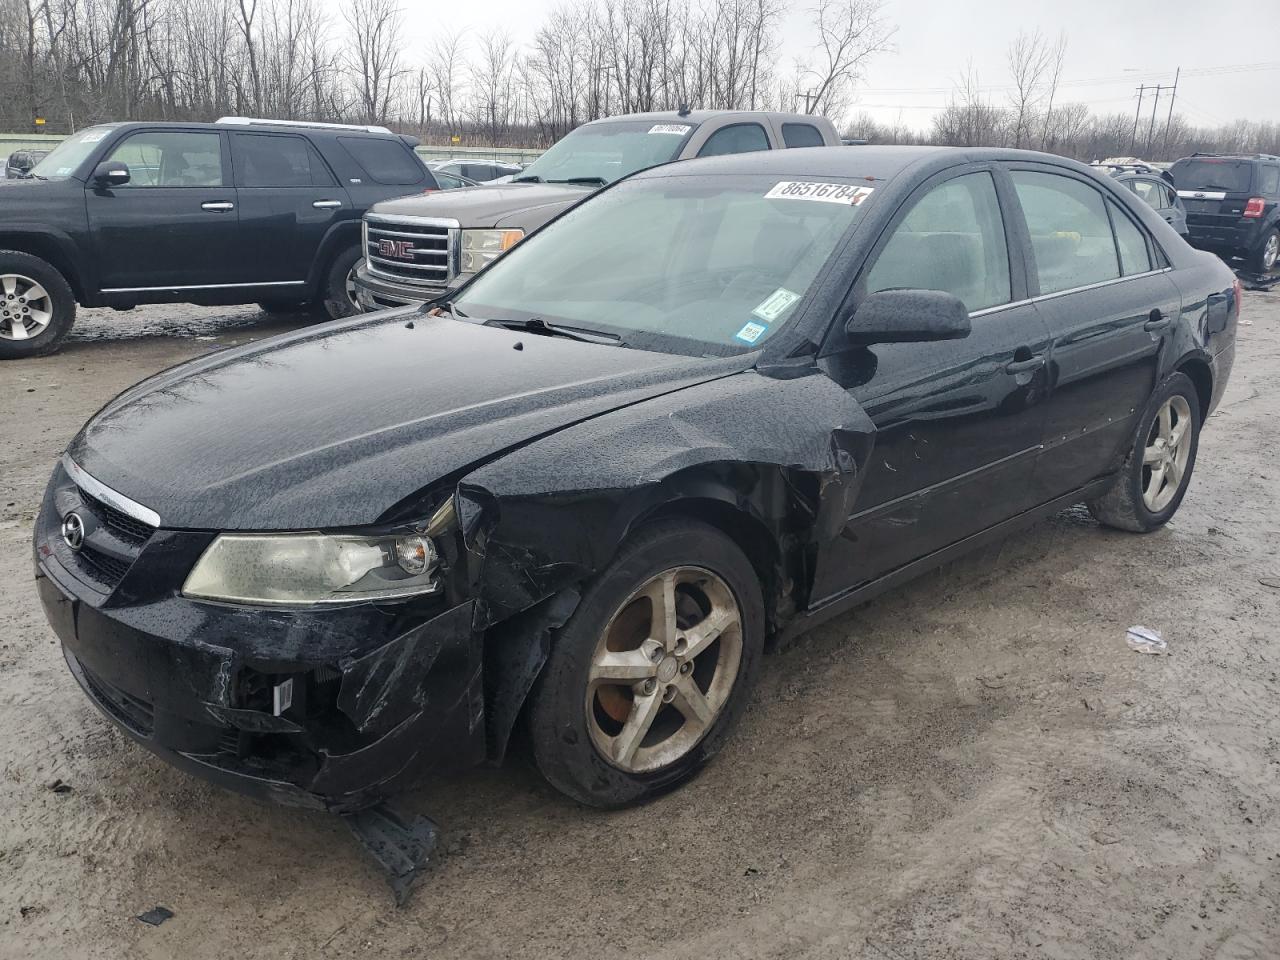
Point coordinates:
pixel 25 307
pixel 663 669
pixel 1164 458
pixel 1272 251
pixel 350 286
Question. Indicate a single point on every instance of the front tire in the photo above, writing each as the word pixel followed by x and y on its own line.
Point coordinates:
pixel 647 679
pixel 37 306
pixel 338 296
pixel 1268 252
pixel 1150 486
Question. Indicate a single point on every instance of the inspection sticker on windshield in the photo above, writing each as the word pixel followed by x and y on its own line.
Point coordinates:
pixel 679 129
pixel 825 192
pixel 750 333
pixel 93 136
pixel 775 305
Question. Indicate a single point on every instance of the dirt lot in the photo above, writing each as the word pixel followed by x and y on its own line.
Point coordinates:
pixel 975 766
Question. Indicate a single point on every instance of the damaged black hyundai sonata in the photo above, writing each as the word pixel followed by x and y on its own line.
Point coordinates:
pixel 717 404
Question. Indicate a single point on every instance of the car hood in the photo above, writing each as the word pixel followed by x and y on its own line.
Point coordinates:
pixel 484 205
pixel 338 425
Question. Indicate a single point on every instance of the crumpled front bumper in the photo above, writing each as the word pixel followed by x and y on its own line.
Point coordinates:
pixel 381 694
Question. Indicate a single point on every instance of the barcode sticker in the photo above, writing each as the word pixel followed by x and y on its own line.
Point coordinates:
pixel 679 129
pixel 776 304
pixel 824 192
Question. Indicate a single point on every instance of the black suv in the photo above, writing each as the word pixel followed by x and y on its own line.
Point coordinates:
pixel 238 211
pixel 20 163
pixel 1233 205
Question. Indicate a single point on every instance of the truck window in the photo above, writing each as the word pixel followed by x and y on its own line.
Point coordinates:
pixel 170 159
pixel 271 160
pixel 801 135
pixel 738 138
pixel 387 162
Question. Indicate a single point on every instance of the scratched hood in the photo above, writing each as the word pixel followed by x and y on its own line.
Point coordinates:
pixel 333 426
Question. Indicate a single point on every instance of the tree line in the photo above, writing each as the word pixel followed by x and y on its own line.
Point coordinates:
pixel 79 62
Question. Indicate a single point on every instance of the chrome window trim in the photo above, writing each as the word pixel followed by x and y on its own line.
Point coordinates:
pixel 1062 293
pixel 100 491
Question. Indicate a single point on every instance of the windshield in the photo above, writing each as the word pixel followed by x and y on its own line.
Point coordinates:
pixel 682 264
pixel 606 152
pixel 1232 176
pixel 70 153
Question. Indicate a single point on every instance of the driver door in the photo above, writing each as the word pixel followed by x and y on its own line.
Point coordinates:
pixel 958 422
pixel 174 225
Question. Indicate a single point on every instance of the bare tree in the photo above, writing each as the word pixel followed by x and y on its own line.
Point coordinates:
pixel 850 33
pixel 374 55
pixel 1031 62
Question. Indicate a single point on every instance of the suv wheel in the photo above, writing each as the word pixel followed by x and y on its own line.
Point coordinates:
pixel 338 297
pixel 646 680
pixel 37 307
pixel 1267 254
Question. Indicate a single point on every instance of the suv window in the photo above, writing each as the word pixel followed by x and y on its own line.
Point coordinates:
pixel 171 159
pixel 1269 180
pixel 272 160
pixel 801 135
pixel 952 240
pixel 1070 231
pixel 1135 257
pixel 1213 173
pixel 388 162
pixel 738 138
pixel 1150 191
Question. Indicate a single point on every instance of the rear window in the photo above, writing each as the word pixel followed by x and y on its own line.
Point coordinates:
pixel 1230 176
pixel 388 162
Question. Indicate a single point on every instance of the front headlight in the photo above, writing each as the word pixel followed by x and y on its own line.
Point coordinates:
pixel 307 568
pixel 481 247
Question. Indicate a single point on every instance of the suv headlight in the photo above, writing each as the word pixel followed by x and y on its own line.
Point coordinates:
pixel 481 247
pixel 314 568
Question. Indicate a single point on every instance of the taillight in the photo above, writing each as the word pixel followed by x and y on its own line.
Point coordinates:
pixel 429 190
pixel 1254 207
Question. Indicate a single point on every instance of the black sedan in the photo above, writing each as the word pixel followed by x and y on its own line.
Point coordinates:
pixel 717 404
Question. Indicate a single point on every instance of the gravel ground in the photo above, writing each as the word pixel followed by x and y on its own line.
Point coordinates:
pixel 974 766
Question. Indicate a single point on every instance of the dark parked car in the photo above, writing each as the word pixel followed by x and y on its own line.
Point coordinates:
pixel 714 406
pixel 21 162
pixel 1233 205
pixel 239 211
pixel 1156 189
pixel 420 247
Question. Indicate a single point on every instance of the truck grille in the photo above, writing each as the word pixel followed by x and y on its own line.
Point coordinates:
pixel 414 250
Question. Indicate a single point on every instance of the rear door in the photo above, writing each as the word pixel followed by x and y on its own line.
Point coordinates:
pixel 174 225
pixel 289 200
pixel 1102 286
pixel 958 422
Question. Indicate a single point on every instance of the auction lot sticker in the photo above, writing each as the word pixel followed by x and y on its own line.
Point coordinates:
pixel 825 192
pixel 679 129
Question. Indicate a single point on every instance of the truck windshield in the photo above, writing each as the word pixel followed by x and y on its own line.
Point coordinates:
pixel 682 264
pixel 605 152
pixel 1232 176
pixel 67 156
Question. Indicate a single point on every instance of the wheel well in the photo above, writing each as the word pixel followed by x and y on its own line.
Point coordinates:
pixel 49 251
pixel 1199 373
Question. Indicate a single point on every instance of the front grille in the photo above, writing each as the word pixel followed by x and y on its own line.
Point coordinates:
pixel 106 569
pixel 120 522
pixel 412 250
pixel 136 714
pixel 113 539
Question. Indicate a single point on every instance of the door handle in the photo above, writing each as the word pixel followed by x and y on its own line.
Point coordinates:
pixel 1156 321
pixel 218 206
pixel 327 204
pixel 1022 366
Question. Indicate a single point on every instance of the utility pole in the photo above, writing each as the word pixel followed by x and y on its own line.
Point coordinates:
pixel 1133 139
pixel 1152 128
pixel 810 99
pixel 1168 124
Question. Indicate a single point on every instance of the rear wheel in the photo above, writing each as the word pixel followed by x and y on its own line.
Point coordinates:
pixel 1147 491
pixel 1268 252
pixel 37 307
pixel 648 677
pixel 338 296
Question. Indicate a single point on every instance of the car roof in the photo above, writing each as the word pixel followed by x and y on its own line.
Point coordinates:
pixel 701 116
pixel 248 128
pixel 869 162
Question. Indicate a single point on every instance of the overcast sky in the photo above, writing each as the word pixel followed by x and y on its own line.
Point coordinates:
pixel 1228 50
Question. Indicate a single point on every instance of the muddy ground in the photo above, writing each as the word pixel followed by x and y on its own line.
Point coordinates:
pixel 974 766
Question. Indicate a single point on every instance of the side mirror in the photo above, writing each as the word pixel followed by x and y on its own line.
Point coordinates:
pixel 111 173
pixel 908 316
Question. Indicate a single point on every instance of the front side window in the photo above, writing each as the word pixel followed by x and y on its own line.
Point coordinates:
pixel 270 160
pixel 170 159
pixel 739 138
pixel 1135 257
pixel 801 135
pixel 388 162
pixel 603 152
pixel 952 240
pixel 1070 231
pixel 682 265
